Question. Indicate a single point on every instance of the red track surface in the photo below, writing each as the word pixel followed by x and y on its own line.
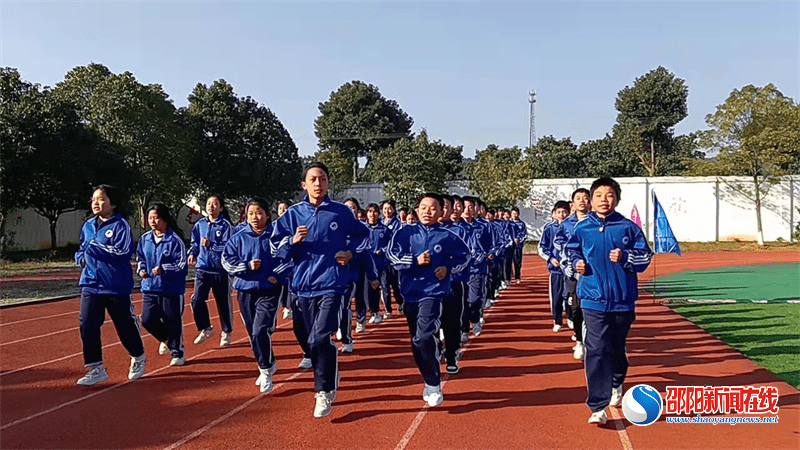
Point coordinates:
pixel 519 387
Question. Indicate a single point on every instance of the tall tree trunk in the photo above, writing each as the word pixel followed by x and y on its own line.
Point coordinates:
pixel 355 170
pixel 53 222
pixel 760 235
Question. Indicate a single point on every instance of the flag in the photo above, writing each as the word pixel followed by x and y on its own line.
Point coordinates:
pixel 664 239
pixel 635 216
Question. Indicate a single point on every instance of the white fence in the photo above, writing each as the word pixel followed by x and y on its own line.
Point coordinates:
pixel 699 209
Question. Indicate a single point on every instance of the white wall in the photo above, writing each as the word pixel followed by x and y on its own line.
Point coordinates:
pixel 699 209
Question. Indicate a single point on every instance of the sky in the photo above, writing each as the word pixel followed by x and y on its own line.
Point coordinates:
pixel 461 70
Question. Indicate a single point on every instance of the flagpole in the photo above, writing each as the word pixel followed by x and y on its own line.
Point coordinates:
pixel 655 263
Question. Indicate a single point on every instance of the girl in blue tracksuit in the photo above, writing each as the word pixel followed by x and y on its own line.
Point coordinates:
pixel 106 284
pixel 161 258
pixel 520 234
pixel 258 279
pixel 606 250
pixel 209 236
pixel 549 252
pixel 320 236
pixel 379 236
pixel 425 255
pixel 389 280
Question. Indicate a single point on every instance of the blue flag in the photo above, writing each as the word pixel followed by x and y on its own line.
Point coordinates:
pixel 664 239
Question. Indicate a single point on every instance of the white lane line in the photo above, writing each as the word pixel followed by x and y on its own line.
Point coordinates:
pixel 51 316
pixel 624 439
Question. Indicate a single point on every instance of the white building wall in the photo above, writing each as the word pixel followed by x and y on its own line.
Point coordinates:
pixel 699 209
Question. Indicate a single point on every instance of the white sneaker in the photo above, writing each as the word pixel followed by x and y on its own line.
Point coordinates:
pixel 324 401
pixel 264 382
pixel 574 338
pixel 464 336
pixel 556 328
pixel 178 361
pixel 599 417
pixel 163 349
pixel 360 327
pixel 432 395
pixel 378 318
pixel 477 329
pixel 616 396
pixel 579 353
pixel 570 324
pixel 274 368
pixel 224 339
pixel 96 374
pixel 347 348
pixel 137 367
pixel 339 334
pixel 305 363
pixel 518 281
pixel 458 355
pixel 287 313
pixel 205 334
pixel 387 316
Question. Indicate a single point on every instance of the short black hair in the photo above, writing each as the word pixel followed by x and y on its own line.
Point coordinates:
pixel 456 197
pixel 373 205
pixel 561 204
pixel 391 202
pixel 606 181
pixel 402 209
pixel 262 203
pixel 352 199
pixel 448 197
pixel 316 165
pixel 164 213
pixel 578 191
pixel 515 209
pixel 491 211
pixel 471 199
pixel 116 196
pixel 433 195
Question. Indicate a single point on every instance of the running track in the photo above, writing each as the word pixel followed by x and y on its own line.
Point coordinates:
pixel 519 387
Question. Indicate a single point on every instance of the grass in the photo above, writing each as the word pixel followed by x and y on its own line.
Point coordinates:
pixel 25 292
pixel 9 269
pixel 770 337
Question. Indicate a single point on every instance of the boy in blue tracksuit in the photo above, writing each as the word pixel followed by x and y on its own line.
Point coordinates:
pixel 161 264
pixel 477 285
pixel 320 236
pixel 389 280
pixel 209 236
pixel 106 283
pixel 549 252
pixel 580 206
pixel 425 255
pixel 258 279
pixel 520 233
pixel 607 251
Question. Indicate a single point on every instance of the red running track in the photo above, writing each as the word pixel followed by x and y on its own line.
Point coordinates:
pixel 519 387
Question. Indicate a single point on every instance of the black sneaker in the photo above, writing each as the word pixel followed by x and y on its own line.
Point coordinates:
pixel 452 369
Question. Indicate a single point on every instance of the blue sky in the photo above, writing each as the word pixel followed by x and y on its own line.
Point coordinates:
pixel 461 70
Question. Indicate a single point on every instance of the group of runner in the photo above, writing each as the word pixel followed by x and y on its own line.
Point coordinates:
pixel 444 263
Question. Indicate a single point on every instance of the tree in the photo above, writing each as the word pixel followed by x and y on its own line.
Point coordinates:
pixel 142 124
pixel 499 176
pixel 51 159
pixel 755 133
pixel 339 168
pixel 242 149
pixel 607 158
pixel 553 158
pixel 648 113
pixel 411 167
pixel 359 121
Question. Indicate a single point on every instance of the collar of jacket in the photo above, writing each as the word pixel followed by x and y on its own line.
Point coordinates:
pixel 325 202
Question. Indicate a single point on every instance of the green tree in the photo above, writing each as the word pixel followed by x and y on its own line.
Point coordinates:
pixel 648 113
pixel 755 133
pixel 359 121
pixel 607 158
pixel 242 149
pixel 142 124
pixel 339 168
pixel 553 158
pixel 51 159
pixel 499 176
pixel 411 167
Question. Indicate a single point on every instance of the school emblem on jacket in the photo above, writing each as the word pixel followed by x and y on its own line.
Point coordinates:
pixel 625 240
pixel 219 233
pixel 381 234
pixel 109 233
pixel 437 248
pixel 334 226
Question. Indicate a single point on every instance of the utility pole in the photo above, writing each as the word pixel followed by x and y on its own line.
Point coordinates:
pixel 532 138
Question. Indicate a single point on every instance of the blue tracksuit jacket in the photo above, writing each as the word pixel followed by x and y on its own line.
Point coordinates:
pixel 332 228
pixel 519 231
pixel 246 246
pixel 170 255
pixel 379 237
pixel 105 251
pixel 465 234
pixel 446 249
pixel 547 246
pixel 608 286
pixel 218 232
